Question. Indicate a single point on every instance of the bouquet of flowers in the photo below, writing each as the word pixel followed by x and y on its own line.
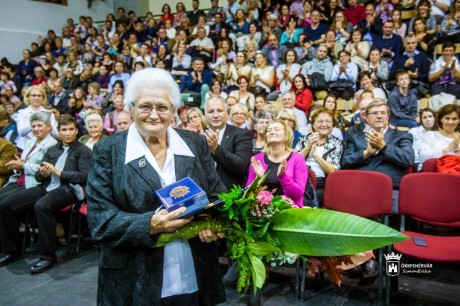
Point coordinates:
pixel 261 229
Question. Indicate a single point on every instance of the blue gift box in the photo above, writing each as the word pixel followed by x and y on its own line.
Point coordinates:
pixel 184 193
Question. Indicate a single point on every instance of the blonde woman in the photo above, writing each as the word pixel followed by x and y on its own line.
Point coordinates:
pixel 239 68
pixel 239 116
pixel 196 120
pixel 35 99
pixel 262 74
pixel 288 116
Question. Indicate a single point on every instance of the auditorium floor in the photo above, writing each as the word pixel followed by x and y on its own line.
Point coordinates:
pixel 73 282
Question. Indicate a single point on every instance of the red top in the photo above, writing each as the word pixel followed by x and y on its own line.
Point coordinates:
pixel 163 19
pixel 355 14
pixel 303 100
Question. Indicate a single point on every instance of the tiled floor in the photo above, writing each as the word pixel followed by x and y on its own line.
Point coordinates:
pixel 73 282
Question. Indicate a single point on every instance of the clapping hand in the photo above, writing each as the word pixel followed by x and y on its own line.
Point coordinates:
pixel 282 167
pixel 17 164
pixel 213 139
pixel 257 167
pixel 46 169
pixel 375 139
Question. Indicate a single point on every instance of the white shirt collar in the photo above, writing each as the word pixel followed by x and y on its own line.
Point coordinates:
pixel 138 148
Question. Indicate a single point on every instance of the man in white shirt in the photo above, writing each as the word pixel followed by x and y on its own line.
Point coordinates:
pixel 288 100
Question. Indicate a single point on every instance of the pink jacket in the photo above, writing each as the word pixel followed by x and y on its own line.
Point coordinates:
pixel 293 180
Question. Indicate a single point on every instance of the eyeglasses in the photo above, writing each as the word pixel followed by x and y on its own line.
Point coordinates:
pixel 374 114
pixel 321 122
pixel 146 109
pixel 35 96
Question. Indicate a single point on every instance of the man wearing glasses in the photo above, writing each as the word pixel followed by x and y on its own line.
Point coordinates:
pixel 380 148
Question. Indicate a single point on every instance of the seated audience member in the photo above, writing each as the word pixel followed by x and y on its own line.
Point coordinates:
pixel 196 120
pixel 380 148
pixel 263 75
pixel 8 128
pixel 371 26
pixel 243 96
pixel 288 100
pixel 389 44
pixel 110 119
pixel 400 27
pixel 64 164
pixel 107 103
pixel 330 103
pixel 59 97
pixel 7 154
pixel 322 150
pixel 216 90
pixel 68 80
pixel 341 27
pixel 288 174
pixel 198 81
pixel 103 78
pixel 316 30
pixel 182 114
pixel 39 76
pixel 427 119
pixel 261 120
pixel 274 52
pixel 359 120
pixel 119 75
pixel 203 45
pixel 377 67
pixel 403 103
pixel 25 167
pixel 303 95
pixel 239 116
pixel 94 127
pixel 287 71
pixel 288 116
pixel 76 101
pixel 444 73
pixel 291 35
pixel 426 41
pixel 446 140
pixel 365 80
pixel 35 99
pixel 321 63
pixel 345 70
pixel 230 147
pixel 359 49
pixel 415 62
pixel 6 82
pixel 354 12
pixel 271 28
pixel 425 13
pixel 124 121
pixel 180 65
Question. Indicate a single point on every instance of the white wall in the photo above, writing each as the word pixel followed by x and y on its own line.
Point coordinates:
pixel 22 21
pixel 156 5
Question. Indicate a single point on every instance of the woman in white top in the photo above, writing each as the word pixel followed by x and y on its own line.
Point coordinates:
pixel 428 123
pixel 35 98
pixel 447 139
pixel 262 74
pixel 243 96
pixel 238 68
pixel 286 72
pixel 358 48
pixel 216 90
pixel 400 28
pixel 365 79
pixel 144 56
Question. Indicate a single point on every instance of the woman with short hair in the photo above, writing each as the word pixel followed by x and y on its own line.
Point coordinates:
pixel 94 126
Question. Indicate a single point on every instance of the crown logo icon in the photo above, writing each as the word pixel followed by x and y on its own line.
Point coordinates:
pixel 393 256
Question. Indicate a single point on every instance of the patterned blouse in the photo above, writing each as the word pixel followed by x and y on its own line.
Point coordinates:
pixel 333 149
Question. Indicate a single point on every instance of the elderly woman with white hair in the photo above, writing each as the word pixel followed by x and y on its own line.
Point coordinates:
pixel 94 125
pixel 126 218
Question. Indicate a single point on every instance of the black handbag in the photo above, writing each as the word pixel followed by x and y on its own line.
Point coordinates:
pixel 342 88
pixel 317 81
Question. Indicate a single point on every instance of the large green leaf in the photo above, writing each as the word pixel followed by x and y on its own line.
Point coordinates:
pixel 322 232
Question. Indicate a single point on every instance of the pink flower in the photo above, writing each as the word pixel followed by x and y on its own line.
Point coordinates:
pixel 264 197
pixel 290 201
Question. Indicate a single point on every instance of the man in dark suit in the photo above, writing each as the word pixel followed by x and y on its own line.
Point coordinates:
pixel 380 148
pixel 231 147
pixel 65 166
pixel 274 52
pixel 59 97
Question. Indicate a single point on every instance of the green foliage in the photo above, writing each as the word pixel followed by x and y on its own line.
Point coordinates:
pixel 322 232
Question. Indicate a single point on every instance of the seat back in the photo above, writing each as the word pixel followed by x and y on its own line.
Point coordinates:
pixel 433 198
pixel 362 193
pixel 430 165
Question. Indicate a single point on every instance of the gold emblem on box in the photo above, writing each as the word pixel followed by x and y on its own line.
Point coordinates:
pixel 179 191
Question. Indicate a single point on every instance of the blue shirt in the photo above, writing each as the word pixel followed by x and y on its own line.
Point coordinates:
pixel 122 76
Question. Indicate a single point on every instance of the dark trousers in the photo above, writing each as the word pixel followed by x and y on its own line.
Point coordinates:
pixel 46 206
pixel 448 88
pixel 191 299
